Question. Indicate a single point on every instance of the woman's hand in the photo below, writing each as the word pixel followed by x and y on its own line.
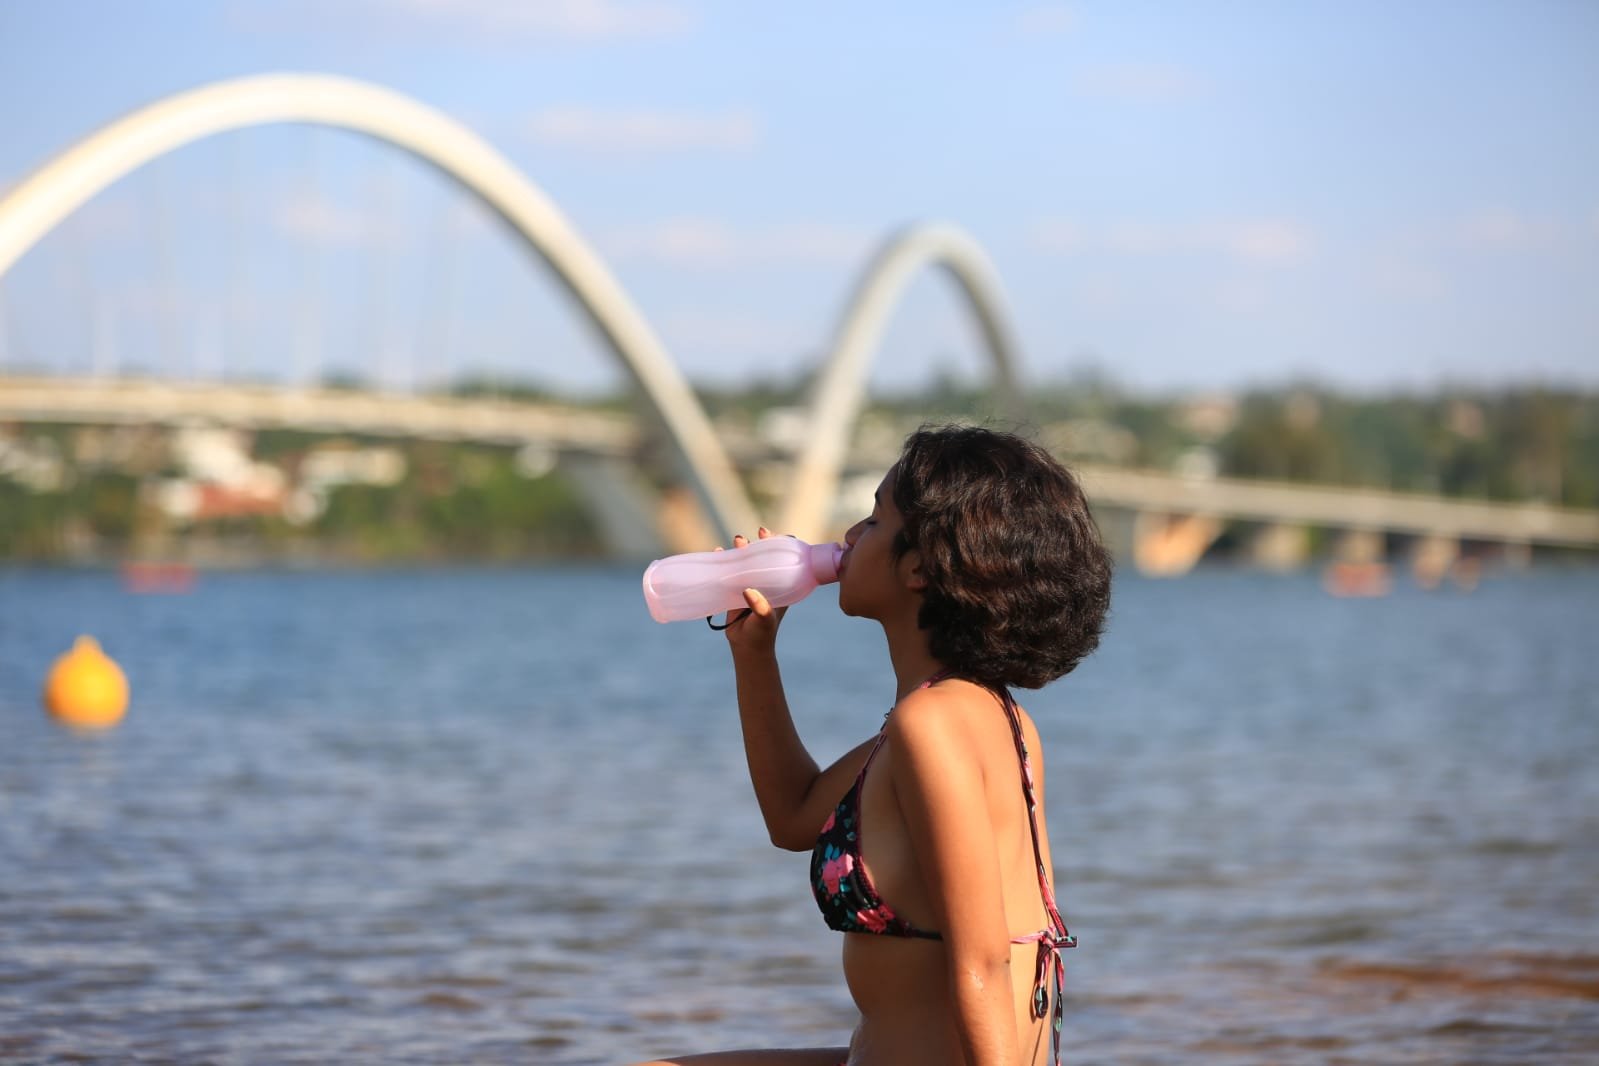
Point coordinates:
pixel 754 630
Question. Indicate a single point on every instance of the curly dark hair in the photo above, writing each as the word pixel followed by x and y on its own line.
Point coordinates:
pixel 1018 582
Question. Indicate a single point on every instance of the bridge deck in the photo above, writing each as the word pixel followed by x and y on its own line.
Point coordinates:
pixel 506 422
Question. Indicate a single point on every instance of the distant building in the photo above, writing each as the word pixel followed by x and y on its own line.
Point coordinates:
pixel 140 449
pixel 329 465
pixel 1466 419
pixel 220 478
pixel 35 464
pixel 1208 417
pixel 210 453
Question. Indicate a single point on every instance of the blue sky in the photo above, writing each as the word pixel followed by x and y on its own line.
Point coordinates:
pixel 1192 197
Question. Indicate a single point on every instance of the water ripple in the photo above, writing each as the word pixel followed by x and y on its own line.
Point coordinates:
pixel 433 817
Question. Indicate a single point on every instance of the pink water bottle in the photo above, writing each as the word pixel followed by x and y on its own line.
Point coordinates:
pixel 784 569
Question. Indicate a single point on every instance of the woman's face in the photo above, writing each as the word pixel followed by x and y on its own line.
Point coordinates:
pixel 870 578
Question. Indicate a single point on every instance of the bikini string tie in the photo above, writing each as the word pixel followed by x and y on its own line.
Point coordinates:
pixel 1049 979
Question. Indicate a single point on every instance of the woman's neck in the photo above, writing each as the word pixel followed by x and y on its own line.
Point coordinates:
pixel 910 655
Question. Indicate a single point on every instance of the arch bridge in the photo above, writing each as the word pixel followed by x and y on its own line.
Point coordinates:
pixel 65 183
pixel 1176 519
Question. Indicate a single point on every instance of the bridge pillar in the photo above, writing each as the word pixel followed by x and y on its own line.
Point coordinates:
pixel 1518 554
pixel 1280 546
pixel 1358 567
pixel 1167 545
pixel 622 504
pixel 1116 530
pixel 1360 546
pixel 682 523
pixel 1432 557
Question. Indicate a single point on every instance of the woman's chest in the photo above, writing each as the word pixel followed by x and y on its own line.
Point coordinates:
pixel 886 851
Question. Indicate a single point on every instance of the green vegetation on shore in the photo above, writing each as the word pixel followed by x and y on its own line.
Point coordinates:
pixel 81 492
pixel 1532 444
pixel 453 501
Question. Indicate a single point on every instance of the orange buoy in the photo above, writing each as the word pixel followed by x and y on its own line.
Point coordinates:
pixel 86 690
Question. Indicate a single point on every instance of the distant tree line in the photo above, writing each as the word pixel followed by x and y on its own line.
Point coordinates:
pixel 1529 443
pixel 472 501
pixel 455 501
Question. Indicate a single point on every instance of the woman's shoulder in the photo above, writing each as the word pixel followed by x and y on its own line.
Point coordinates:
pixel 952 712
pixel 958 714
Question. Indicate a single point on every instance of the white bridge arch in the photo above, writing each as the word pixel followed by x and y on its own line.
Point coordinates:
pixel 56 190
pixel 64 184
pixel 840 388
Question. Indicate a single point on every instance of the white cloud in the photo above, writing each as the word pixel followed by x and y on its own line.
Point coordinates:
pixel 550 18
pixel 1499 229
pixel 1102 293
pixel 1492 230
pixel 721 332
pixel 318 221
pixel 1140 81
pixel 815 243
pixel 491 21
pixel 1266 240
pixel 644 132
pixel 690 241
pixel 1046 20
pixel 1277 241
pixel 468 218
pixel 712 244
pixel 1241 296
pixel 1405 277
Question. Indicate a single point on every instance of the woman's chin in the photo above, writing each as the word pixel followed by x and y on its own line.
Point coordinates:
pixel 853 610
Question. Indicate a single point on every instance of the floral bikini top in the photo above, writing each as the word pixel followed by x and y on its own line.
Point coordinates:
pixel 850 903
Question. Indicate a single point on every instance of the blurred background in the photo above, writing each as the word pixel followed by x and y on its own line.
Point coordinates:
pixel 1350 246
pixel 353 353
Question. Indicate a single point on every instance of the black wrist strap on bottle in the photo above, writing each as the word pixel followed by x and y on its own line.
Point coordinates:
pixel 744 612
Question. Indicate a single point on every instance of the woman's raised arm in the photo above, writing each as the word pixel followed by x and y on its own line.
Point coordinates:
pixel 794 794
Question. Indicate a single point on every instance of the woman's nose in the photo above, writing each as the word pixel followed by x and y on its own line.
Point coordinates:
pixel 853 533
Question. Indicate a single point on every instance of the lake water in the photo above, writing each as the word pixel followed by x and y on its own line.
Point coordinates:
pixel 500 816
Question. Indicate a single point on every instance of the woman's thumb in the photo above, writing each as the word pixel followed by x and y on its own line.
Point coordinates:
pixel 757 602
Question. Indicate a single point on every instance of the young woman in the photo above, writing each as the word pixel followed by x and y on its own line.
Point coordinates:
pixel 981 562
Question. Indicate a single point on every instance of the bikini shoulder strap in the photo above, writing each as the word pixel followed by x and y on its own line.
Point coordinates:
pixel 882 733
pixel 1015 718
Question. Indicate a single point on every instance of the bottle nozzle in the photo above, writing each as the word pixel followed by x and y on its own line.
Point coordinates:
pixel 824 562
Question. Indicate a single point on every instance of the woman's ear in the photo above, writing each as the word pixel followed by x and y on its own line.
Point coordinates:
pixel 911 567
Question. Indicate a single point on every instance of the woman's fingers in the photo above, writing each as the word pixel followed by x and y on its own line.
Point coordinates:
pixel 759 606
pixel 741 541
pixel 757 603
